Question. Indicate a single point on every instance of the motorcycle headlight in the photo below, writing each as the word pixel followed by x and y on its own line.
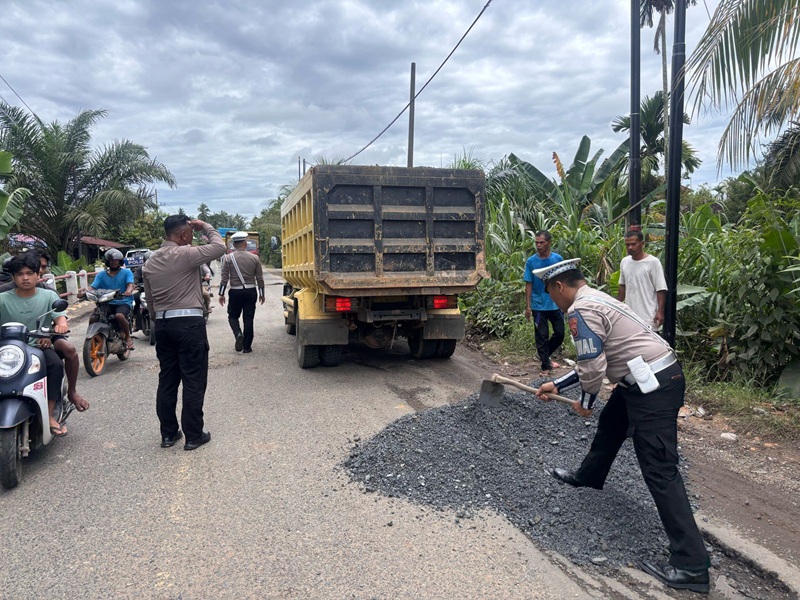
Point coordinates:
pixel 12 359
pixel 108 296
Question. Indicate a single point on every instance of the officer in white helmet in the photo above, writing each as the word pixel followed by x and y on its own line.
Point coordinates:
pixel 242 271
pixel 614 342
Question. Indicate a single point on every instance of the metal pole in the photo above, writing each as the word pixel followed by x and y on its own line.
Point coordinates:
pixel 411 117
pixel 674 171
pixel 299 173
pixel 635 163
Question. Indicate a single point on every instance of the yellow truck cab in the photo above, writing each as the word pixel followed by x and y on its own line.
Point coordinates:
pixel 375 254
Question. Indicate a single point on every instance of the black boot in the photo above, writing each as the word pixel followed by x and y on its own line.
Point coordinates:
pixel 682 579
pixel 567 477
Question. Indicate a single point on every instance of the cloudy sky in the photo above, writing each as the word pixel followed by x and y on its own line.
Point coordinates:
pixel 228 94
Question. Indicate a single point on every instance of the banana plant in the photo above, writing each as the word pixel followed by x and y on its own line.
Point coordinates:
pixel 578 186
pixel 11 205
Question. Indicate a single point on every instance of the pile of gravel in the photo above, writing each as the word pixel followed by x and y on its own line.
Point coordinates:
pixel 468 457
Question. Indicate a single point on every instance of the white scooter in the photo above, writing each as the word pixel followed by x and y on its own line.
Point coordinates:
pixel 24 422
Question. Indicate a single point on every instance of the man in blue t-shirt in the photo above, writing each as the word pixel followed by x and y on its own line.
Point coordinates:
pixel 117 277
pixel 544 310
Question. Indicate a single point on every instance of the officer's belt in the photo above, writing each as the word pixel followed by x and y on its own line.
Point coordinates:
pixel 243 287
pixel 657 365
pixel 179 312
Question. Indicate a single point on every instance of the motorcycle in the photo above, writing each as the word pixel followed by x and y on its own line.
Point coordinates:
pixel 103 336
pixel 24 419
pixel 141 315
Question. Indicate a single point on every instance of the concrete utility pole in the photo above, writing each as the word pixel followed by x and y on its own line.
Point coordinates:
pixel 411 116
pixel 674 172
pixel 634 162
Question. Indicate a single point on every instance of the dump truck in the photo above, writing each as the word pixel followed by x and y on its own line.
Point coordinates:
pixel 376 254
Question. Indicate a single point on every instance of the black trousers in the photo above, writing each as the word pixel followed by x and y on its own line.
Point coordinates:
pixel 54 367
pixel 242 303
pixel 652 421
pixel 545 344
pixel 182 351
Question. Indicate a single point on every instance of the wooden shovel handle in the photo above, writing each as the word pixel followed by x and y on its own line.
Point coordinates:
pixel 526 388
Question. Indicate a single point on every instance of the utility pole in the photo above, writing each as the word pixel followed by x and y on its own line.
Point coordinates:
pixel 634 162
pixel 674 172
pixel 411 116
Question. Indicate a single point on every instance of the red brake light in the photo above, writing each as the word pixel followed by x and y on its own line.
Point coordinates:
pixel 440 302
pixel 343 305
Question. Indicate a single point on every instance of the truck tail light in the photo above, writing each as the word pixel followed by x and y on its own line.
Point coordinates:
pixel 443 302
pixel 338 304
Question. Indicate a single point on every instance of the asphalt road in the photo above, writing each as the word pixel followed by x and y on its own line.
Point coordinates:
pixel 264 510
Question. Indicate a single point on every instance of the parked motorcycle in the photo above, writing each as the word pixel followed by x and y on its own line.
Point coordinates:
pixel 141 315
pixel 24 422
pixel 103 336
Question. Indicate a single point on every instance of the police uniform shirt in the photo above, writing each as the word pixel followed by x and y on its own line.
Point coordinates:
pixel 250 267
pixel 172 273
pixel 607 334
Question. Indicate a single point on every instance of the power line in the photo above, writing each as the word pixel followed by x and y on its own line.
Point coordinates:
pixel 385 129
pixel 17 95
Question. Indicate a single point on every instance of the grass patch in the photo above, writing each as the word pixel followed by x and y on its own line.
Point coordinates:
pixel 752 409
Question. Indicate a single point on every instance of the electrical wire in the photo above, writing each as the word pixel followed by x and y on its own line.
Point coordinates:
pixel 385 129
pixel 17 95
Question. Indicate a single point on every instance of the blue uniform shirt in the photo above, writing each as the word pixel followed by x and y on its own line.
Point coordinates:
pixel 540 300
pixel 120 281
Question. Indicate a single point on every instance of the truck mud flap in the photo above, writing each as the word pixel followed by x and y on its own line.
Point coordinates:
pixel 444 328
pixel 323 333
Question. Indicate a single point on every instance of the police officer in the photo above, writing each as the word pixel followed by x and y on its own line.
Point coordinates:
pixel 243 270
pixel 175 302
pixel 644 404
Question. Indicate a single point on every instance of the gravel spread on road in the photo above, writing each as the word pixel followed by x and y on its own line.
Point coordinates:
pixel 468 457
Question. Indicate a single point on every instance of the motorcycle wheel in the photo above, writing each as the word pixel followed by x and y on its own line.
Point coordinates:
pixel 146 324
pixel 152 337
pixel 10 457
pixel 94 354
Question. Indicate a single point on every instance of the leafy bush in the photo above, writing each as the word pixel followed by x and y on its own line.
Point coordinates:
pixel 495 307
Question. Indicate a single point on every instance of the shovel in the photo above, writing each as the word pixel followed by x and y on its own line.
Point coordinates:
pixel 492 391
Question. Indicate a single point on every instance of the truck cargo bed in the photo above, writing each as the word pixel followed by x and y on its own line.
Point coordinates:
pixel 354 230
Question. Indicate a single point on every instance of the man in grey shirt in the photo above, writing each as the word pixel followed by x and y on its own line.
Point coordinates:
pixel 175 300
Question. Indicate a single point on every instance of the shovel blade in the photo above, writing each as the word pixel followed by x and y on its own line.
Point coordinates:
pixel 491 393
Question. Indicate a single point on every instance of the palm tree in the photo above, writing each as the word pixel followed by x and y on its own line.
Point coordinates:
pixel 647 8
pixel 654 139
pixel 747 59
pixel 782 160
pixel 203 212
pixel 73 188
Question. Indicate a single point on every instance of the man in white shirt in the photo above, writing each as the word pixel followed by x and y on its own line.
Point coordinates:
pixel 642 285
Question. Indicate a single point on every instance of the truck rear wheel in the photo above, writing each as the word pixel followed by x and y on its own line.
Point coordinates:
pixel 446 348
pixel 307 354
pixel 421 348
pixel 330 356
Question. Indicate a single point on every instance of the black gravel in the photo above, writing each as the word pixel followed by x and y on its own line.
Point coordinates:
pixel 469 457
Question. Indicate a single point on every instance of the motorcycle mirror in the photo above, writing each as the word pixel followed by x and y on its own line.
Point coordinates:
pixel 60 305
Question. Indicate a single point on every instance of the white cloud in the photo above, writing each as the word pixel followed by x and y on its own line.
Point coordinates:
pixel 229 95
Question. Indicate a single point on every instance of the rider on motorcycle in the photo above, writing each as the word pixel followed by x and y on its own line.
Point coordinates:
pixel 25 304
pixel 62 345
pixel 117 277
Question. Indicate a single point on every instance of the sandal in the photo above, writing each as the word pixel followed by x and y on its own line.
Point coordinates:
pixel 59 431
